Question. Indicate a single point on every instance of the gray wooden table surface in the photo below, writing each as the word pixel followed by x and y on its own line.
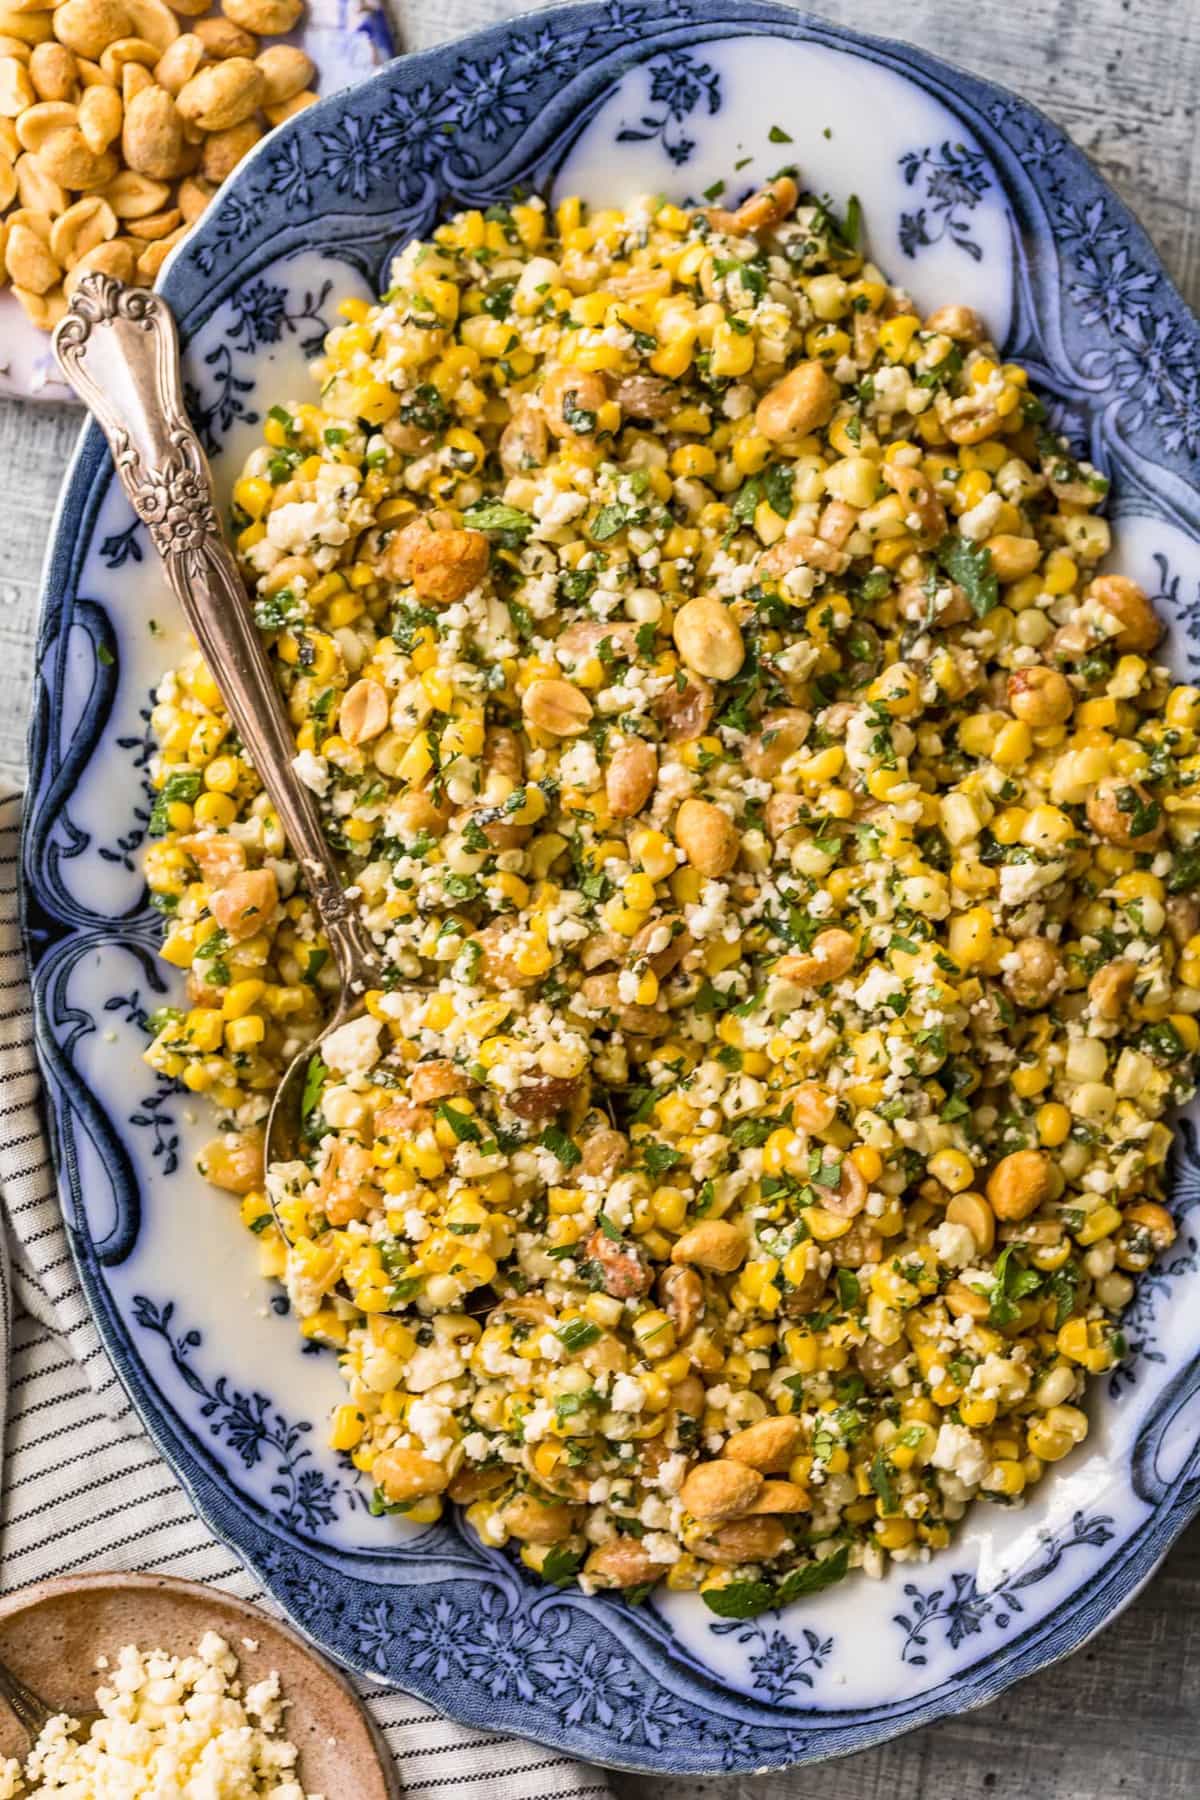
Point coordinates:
pixel 1119 1720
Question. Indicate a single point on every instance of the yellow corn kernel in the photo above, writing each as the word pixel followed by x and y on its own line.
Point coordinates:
pixel 203 1027
pixel 346 1429
pixel 970 936
pixel 245 1034
pixel 253 495
pixel 1013 745
pixel 896 1534
pixel 895 335
pixel 1005 1477
pixel 693 461
pixel 1099 1224
pixel 953 1168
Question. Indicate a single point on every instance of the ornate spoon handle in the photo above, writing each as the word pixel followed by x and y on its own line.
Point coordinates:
pixel 31 1711
pixel 118 348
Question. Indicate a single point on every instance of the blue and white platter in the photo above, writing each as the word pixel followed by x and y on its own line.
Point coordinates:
pixel 968 194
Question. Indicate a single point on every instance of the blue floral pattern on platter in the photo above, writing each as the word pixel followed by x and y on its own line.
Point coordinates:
pixel 967 194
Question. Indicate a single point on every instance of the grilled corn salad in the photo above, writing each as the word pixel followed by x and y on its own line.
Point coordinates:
pixel 781 846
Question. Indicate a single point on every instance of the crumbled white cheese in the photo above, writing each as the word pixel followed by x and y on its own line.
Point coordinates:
pixel 628 1394
pixel 980 521
pixel 353 1047
pixel 177 1726
pixel 960 1452
pixel 313 771
pixel 953 1244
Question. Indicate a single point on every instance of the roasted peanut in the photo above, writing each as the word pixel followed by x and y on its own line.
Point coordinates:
pixel 604 1151
pixel 781 1496
pixel 832 956
pixel 1141 628
pixel 153 22
pixel 801 548
pixel 720 1489
pixel 234 1161
pixel 1019 1184
pixel 973 1211
pixel 802 402
pixel 221 39
pixel 115 258
pixel 1111 986
pixel 224 150
pixel 644 397
pixel 246 904
pixel 524 440
pixel 152 138
pixel 446 565
pixel 35 125
pixel 707 836
pixel 958 322
pixel 630 777
pixel 16 89
pixel 779 736
pixel 571 398
pixel 89 26
pixel 406 1475
pixel 286 72
pixel 29 262
pixel 685 713
pixel 536 1521
pixel 1038 971
pixel 924 512
pixel 1126 814
pixel 223 95
pixel 768 1446
pixel 762 211
pixel 66 157
pixel 81 228
pixel 155 255
pixel 708 638
pixel 193 196
pixel 179 62
pixel 288 109
pixel 744 1541
pixel 158 225
pixel 712 1244
pixel 37 192
pixel 127 53
pixel 53 71
pixel 134 196
pixel 622 1563
pixel 269 18
pixel 557 707
pixel 363 713
pixel 100 115
pixel 1040 696
pixel 681 1292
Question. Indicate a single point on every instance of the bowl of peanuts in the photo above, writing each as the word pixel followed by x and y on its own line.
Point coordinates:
pixel 119 123
pixel 733 1295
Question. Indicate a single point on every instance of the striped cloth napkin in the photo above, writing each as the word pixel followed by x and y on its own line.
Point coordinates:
pixel 84 1488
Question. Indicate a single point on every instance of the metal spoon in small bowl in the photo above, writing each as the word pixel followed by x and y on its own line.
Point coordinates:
pixel 31 1711
pixel 119 349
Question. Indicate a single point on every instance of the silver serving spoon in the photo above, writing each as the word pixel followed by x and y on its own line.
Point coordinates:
pixel 31 1711
pixel 119 349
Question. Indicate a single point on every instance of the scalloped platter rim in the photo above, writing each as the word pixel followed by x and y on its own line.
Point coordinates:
pixel 968 194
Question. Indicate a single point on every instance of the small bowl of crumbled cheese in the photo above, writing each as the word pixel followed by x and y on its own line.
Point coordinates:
pixel 184 1691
